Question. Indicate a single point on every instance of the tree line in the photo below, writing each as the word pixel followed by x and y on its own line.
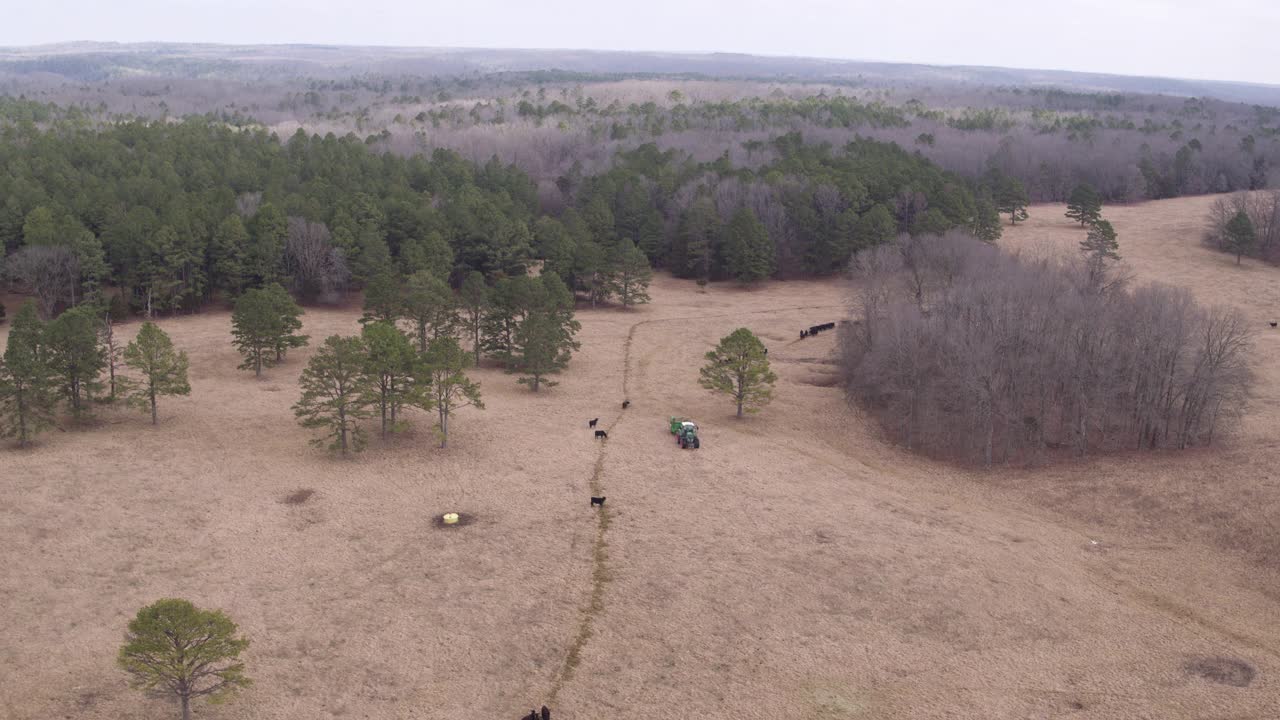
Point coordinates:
pixel 174 215
pixel 962 350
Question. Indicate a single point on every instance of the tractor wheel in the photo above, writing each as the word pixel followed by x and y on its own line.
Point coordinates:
pixel 697 443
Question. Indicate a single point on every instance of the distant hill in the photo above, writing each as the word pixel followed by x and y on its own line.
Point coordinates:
pixel 92 61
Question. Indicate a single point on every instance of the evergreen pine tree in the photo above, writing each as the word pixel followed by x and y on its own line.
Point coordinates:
pixel 290 314
pixel 430 307
pixel 263 327
pixel 875 227
pixel 985 224
pixel 1084 205
pixel 335 393
pixel 163 369
pixel 75 356
pixel 174 648
pixel 228 252
pixel 1240 234
pixel 739 368
pixel 27 384
pixel 473 300
pixel 748 248
pixel 111 350
pixel 1100 248
pixel 383 299
pixel 544 339
pixel 264 256
pixel 631 274
pixel 393 377
pixel 445 366
pixel 1011 197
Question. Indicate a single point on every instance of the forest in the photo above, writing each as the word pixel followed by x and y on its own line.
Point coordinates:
pixel 175 214
pixel 565 115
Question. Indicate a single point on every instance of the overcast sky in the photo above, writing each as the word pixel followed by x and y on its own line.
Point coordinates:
pixel 1213 39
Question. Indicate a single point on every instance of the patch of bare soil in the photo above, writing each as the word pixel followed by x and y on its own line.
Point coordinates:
pixel 1222 670
pixel 796 566
pixel 298 497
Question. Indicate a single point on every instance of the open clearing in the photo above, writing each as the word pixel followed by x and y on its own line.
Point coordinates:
pixel 794 567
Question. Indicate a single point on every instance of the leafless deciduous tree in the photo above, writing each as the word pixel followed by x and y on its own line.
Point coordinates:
pixel 50 272
pixel 247 204
pixel 962 350
pixel 318 269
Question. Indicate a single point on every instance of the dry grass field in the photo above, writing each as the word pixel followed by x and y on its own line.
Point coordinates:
pixel 794 567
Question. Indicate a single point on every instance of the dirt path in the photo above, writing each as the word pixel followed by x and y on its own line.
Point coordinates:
pixel 599 551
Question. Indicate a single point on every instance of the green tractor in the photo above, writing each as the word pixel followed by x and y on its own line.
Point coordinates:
pixel 686 432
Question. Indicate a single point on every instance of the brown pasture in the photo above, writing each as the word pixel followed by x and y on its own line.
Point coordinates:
pixel 794 567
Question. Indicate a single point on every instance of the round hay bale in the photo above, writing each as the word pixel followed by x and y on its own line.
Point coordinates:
pixel 452 519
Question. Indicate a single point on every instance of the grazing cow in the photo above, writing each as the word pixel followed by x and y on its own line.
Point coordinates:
pixel 1273 323
pixel 815 329
pixel 533 715
pixel 602 434
pixel 804 334
pixel 626 404
pixel 592 423
pixel 546 714
pixel 597 501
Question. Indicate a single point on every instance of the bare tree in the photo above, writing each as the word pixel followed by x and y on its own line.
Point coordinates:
pixel 318 269
pixel 50 272
pixel 247 204
pixel 965 351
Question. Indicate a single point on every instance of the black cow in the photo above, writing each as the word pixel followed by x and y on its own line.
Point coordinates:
pixel 626 404
pixel 1273 323
pixel 804 334
pixel 546 714
pixel 602 434
pixel 597 501
pixel 592 423
pixel 815 329
pixel 766 351
pixel 533 715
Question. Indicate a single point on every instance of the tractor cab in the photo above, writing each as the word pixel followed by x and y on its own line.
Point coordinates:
pixel 686 433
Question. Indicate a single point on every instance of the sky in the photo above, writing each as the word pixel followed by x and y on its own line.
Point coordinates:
pixel 1217 40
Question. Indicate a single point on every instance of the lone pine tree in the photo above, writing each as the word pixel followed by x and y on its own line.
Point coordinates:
pixel 163 369
pixel 1084 205
pixel 738 367
pixel 174 648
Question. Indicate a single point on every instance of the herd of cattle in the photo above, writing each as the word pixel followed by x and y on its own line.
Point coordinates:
pixel 815 329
